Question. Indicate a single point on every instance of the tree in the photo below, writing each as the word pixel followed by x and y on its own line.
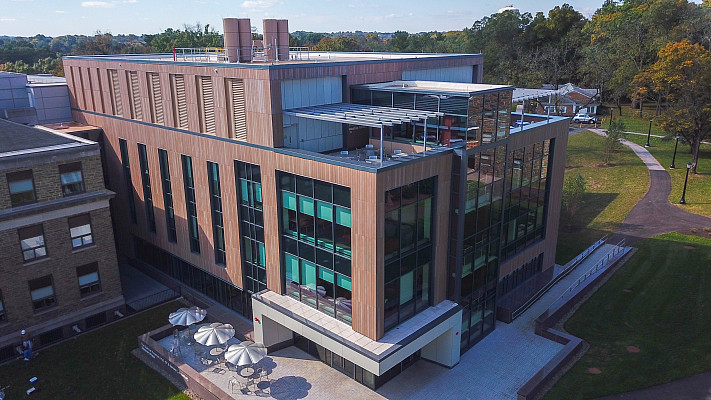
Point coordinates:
pixel 574 188
pixel 683 71
pixel 611 144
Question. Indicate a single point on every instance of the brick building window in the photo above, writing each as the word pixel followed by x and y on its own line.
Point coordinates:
pixel 22 187
pixel 3 316
pixel 71 178
pixel 42 292
pixel 32 242
pixel 88 276
pixel 80 231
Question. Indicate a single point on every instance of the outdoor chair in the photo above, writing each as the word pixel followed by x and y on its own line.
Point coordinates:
pixel 263 374
pixel 239 384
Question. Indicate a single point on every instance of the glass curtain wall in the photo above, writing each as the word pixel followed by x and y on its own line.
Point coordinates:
pixel 489 116
pixel 316 243
pixel 249 188
pixel 409 228
pixel 483 193
pixel 526 188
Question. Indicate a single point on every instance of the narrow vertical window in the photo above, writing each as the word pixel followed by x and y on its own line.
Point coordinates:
pixel 236 115
pixel 167 195
pixel 127 179
pixel 249 188
pixel 134 95
pixel 218 229
pixel 156 96
pixel 146 180
pixel 190 205
pixel 180 105
pixel 206 105
pixel 116 106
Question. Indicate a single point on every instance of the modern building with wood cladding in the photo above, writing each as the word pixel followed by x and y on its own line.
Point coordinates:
pixel 370 208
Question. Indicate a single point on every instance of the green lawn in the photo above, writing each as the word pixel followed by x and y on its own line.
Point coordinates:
pixel 633 122
pixel 96 365
pixel 612 192
pixel 660 302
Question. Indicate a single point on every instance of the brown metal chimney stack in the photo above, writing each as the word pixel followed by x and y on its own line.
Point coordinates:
pixel 283 39
pixel 270 39
pixel 238 44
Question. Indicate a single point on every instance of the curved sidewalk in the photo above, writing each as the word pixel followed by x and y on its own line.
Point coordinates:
pixel 654 214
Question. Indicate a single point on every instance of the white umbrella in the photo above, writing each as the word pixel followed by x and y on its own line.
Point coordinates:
pixel 187 316
pixel 245 353
pixel 214 334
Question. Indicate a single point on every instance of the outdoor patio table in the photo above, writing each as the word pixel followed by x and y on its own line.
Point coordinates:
pixel 216 351
pixel 246 372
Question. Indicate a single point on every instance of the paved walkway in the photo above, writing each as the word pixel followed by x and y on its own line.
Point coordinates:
pixel 499 365
pixel 654 214
pixel 697 387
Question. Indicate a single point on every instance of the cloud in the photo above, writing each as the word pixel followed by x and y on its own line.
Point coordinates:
pixel 96 4
pixel 61 12
pixel 256 4
pixel 8 19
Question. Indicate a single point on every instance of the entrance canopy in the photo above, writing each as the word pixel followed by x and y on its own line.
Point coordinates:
pixel 362 114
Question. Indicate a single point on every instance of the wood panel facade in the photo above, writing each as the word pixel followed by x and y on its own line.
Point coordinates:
pixel 262 88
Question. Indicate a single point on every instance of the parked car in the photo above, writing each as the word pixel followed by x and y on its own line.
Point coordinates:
pixel 585 119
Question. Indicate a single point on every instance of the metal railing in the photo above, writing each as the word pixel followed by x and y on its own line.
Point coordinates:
pixel 619 247
pixel 572 264
pixel 154 299
pixel 201 54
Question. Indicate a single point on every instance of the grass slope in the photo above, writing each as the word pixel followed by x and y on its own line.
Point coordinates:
pixel 658 301
pixel 611 194
pixel 96 365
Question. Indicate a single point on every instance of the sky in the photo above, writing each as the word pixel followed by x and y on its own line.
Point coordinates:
pixel 63 17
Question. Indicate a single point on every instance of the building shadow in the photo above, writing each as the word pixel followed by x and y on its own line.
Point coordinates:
pixel 289 388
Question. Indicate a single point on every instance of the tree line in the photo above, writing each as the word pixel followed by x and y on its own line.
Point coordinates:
pixel 639 51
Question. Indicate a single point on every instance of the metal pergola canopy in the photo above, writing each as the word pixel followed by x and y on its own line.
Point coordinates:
pixel 362 114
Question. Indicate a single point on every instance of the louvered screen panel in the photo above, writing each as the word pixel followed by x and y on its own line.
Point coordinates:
pixel 116 93
pixel 136 111
pixel 208 104
pixel 238 120
pixel 180 103
pixel 156 98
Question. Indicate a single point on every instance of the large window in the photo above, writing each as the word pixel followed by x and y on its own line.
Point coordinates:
pixel 22 187
pixel 88 277
pixel 80 231
pixel 408 249
pixel 127 179
pixel 71 178
pixel 42 293
pixel 190 204
pixel 32 242
pixel 167 195
pixel 316 243
pixel 524 206
pixel 249 188
pixel 218 229
pixel 146 181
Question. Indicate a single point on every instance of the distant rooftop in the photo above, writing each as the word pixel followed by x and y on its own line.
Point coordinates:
pixel 17 139
pixel 46 79
pixel 296 58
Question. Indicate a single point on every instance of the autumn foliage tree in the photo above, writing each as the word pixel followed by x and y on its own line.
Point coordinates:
pixel 683 72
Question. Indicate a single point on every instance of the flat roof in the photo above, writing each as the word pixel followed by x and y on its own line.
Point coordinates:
pixel 301 58
pixel 361 114
pixel 444 88
pixel 17 139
